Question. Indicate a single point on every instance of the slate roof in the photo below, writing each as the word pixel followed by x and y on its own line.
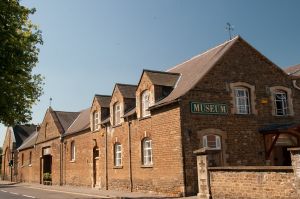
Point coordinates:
pixel 193 70
pixel 130 112
pixel 103 100
pixel 82 122
pixel 106 120
pixel 127 90
pixel 162 78
pixel 22 132
pixel 29 142
pixel 293 70
pixel 66 118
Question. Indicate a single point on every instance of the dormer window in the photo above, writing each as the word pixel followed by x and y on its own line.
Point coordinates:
pixel 145 103
pixel 96 121
pixel 117 113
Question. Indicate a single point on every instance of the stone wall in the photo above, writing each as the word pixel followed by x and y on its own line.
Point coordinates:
pixel 241 64
pixel 252 184
pixel 295 156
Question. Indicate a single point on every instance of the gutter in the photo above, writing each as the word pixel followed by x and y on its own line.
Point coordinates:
pixel 163 104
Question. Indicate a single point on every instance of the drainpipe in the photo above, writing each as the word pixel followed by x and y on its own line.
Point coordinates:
pixel 129 152
pixel 61 161
pixel 106 171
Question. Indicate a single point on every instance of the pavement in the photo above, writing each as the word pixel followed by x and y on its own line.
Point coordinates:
pixel 90 192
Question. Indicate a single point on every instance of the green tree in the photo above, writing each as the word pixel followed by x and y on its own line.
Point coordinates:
pixel 19 40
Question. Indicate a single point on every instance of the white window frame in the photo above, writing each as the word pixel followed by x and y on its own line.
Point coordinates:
pixel 242 102
pixel 118 154
pixel 73 151
pixel 96 120
pixel 217 141
pixel 145 103
pixel 147 152
pixel 117 113
pixel 283 102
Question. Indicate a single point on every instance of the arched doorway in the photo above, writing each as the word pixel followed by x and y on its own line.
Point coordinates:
pixel 96 154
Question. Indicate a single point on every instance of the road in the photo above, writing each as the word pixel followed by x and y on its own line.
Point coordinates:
pixel 23 192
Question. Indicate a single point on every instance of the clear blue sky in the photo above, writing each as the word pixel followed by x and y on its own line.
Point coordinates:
pixel 91 45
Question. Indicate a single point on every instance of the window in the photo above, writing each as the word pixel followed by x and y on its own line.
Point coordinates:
pixel 22 160
pixel 147 151
pixel 46 129
pixel 96 152
pixel 30 157
pixel 117 113
pixel 118 154
pixel 145 103
pixel 212 141
pixel 96 121
pixel 281 104
pixel 73 151
pixel 242 100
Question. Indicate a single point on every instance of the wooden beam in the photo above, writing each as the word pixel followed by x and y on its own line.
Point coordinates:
pixel 272 146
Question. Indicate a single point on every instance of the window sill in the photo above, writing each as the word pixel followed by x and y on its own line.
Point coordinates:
pixel 284 116
pixel 72 161
pixel 146 166
pixel 144 118
pixel 118 167
pixel 96 131
pixel 115 126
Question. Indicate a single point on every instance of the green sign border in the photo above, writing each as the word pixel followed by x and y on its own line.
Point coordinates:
pixel 206 113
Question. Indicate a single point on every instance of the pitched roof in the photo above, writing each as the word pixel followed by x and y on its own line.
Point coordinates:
pixel 130 112
pixel 82 122
pixel 66 118
pixel 193 70
pixel 293 70
pixel 162 78
pixel 29 142
pixel 103 100
pixel 106 120
pixel 127 90
pixel 22 132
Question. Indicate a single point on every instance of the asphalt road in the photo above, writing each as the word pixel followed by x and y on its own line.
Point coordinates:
pixel 23 192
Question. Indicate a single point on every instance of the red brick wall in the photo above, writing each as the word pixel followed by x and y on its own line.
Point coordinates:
pixel 80 171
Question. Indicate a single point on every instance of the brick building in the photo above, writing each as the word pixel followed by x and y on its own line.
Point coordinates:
pixel 14 138
pixel 230 98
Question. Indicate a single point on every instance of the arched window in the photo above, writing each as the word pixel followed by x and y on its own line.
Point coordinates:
pixel 96 121
pixel 72 151
pixel 30 158
pixel 147 151
pixel 281 103
pixel 46 130
pixel 117 113
pixel 96 152
pixel 212 141
pixel 118 154
pixel 22 160
pixel 145 103
pixel 242 101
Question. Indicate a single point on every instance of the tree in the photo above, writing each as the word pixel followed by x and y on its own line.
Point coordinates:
pixel 19 40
